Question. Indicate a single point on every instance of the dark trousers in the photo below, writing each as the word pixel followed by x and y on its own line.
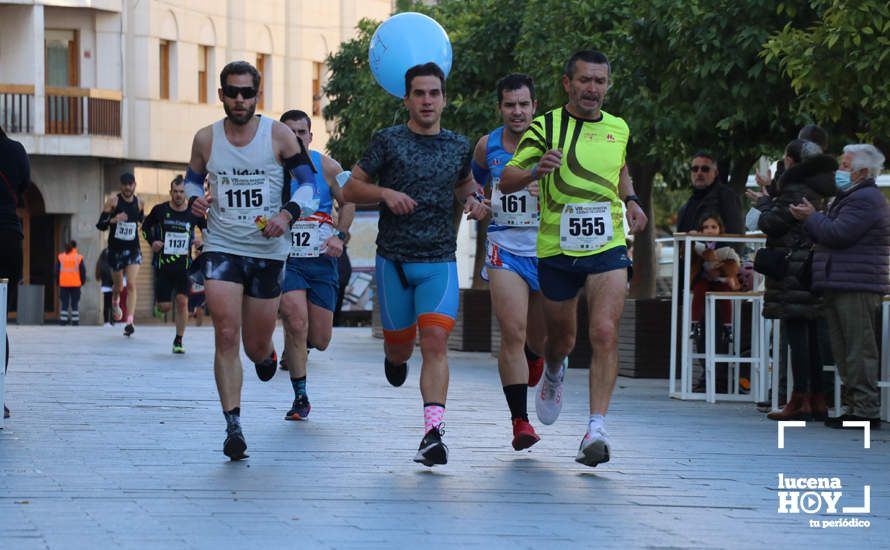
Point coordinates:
pixel 69 296
pixel 806 360
pixel 107 317
pixel 853 328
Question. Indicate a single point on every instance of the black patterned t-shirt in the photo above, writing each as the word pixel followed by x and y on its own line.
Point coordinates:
pixel 426 168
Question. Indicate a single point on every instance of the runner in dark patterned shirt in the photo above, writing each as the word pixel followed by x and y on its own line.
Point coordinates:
pixel 420 168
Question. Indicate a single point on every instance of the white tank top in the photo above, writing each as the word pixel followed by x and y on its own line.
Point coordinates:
pixel 245 183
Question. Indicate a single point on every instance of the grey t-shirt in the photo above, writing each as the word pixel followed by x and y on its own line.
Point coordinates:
pixel 426 168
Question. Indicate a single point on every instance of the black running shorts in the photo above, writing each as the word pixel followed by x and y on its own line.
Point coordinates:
pixel 170 281
pixel 260 277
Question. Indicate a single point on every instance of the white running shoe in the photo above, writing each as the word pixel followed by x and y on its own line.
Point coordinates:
pixel 117 313
pixel 548 398
pixel 595 448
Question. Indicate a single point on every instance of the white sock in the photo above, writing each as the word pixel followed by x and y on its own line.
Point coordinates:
pixel 596 421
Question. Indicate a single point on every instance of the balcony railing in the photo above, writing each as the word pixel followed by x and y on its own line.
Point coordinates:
pixel 83 111
pixel 16 108
pixel 66 111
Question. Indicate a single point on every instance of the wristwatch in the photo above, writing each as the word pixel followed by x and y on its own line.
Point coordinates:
pixel 633 198
pixel 342 235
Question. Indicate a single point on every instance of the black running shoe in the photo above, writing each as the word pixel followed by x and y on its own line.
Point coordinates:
pixel 129 330
pixel 266 369
pixel 432 451
pixel 235 445
pixel 395 374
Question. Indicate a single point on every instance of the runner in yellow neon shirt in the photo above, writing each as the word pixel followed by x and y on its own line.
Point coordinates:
pixel 577 154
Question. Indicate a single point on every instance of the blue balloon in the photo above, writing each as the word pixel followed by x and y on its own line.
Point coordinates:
pixel 403 41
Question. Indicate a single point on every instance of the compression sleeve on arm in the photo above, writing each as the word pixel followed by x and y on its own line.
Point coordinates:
pixel 302 184
pixel 194 183
pixel 102 224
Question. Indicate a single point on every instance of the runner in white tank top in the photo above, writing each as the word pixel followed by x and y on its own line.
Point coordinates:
pixel 248 232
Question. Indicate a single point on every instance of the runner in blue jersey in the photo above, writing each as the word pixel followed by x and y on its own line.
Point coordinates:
pixel 511 263
pixel 311 280
pixel 420 169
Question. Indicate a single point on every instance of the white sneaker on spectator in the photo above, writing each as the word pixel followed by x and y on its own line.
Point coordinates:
pixel 595 448
pixel 548 398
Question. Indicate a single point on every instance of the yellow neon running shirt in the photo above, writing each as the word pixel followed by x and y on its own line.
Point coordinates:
pixel 593 153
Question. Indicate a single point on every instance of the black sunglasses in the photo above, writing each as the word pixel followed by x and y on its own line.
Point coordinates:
pixel 704 168
pixel 247 92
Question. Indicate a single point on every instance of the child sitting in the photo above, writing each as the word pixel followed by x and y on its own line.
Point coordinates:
pixel 714 269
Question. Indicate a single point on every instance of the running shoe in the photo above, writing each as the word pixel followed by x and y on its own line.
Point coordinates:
pixel 524 435
pixel 129 330
pixel 300 409
pixel 548 400
pixel 265 370
pixel 235 445
pixel 177 345
pixel 535 370
pixel 595 448
pixel 432 451
pixel 117 313
pixel 395 374
pixel 5 412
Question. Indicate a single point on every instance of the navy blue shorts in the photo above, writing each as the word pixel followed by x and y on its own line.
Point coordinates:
pixel 317 276
pixel 561 276
pixel 260 277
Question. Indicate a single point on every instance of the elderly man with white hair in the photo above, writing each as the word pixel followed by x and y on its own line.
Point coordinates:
pixel 851 267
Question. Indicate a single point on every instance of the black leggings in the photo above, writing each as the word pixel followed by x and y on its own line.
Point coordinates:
pixel 107 317
pixel 806 361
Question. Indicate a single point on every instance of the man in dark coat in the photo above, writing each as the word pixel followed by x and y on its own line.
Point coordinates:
pixel 851 267
pixel 708 195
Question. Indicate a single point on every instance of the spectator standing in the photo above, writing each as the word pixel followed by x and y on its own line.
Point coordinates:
pixel 851 267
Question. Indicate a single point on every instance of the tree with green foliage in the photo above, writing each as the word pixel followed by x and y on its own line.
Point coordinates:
pixel 839 64
pixel 685 76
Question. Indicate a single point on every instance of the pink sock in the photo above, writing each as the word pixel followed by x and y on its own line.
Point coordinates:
pixel 129 319
pixel 433 415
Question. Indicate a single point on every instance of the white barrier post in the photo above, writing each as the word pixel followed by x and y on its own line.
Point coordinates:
pixel 4 283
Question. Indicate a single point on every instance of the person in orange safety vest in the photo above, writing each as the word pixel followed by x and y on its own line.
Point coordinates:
pixel 72 274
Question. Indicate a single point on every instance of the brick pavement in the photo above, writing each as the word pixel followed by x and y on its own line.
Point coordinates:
pixel 116 443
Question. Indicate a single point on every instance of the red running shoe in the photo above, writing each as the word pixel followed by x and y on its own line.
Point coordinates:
pixel 535 370
pixel 524 435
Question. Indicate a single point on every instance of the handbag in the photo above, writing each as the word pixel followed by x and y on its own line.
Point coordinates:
pixel 772 263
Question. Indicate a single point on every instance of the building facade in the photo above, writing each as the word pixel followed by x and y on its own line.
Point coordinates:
pixel 93 88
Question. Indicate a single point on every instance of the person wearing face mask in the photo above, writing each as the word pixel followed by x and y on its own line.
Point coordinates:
pixel 851 267
pixel 808 175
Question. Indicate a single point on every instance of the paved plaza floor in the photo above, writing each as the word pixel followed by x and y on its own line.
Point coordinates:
pixel 116 443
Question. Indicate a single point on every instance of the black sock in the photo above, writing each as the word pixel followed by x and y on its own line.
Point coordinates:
pixel 389 363
pixel 517 400
pixel 233 418
pixel 530 355
pixel 178 339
